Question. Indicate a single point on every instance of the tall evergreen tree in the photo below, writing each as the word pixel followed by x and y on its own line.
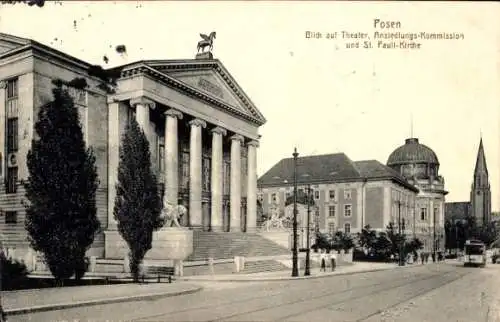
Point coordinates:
pixel 137 204
pixel 61 188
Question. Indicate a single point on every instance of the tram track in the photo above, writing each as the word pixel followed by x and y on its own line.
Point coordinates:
pixel 302 297
pixel 399 283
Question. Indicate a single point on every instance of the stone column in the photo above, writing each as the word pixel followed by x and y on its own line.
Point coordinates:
pixel 142 106
pixel 113 158
pixel 195 173
pixel 172 155
pixel 3 122
pixel 216 179
pixel 235 188
pixel 252 186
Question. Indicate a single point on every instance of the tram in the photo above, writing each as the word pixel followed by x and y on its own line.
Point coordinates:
pixel 474 253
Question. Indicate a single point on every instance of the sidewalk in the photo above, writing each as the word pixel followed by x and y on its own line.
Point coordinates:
pixel 38 300
pixel 358 267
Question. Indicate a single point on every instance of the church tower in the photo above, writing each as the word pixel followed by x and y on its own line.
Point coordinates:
pixel 480 195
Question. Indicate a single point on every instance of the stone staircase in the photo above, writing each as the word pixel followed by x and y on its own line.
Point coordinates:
pixel 263 266
pixel 227 245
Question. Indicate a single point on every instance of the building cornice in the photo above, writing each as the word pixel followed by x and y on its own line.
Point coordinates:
pixel 357 180
pixel 48 51
pixel 167 80
pixel 312 182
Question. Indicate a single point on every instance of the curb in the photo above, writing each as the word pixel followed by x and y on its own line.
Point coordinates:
pixel 61 306
pixel 289 278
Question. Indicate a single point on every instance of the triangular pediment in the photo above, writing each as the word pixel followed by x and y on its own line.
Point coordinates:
pixel 212 80
pixel 209 82
pixel 9 42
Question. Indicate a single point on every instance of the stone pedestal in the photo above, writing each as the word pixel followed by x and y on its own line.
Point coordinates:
pixel 205 55
pixel 168 243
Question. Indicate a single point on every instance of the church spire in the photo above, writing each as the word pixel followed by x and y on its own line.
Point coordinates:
pixel 481 168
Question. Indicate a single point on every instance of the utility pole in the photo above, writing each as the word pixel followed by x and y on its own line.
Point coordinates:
pixel 295 270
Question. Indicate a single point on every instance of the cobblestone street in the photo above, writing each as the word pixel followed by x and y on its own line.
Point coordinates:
pixel 434 292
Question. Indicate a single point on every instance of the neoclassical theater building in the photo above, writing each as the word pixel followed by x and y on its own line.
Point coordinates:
pixel 202 128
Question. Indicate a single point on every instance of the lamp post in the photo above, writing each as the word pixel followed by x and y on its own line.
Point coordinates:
pixel 401 240
pixel 295 270
pixel 433 236
pixel 307 271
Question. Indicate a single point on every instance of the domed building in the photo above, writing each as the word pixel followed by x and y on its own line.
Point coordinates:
pixel 419 164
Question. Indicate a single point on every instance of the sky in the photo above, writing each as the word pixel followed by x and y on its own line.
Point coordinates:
pixel 316 94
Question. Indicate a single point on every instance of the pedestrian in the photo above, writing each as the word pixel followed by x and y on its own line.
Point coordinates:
pixel 322 257
pixel 333 260
pixel 422 259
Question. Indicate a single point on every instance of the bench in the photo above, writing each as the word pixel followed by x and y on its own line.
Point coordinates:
pixel 159 272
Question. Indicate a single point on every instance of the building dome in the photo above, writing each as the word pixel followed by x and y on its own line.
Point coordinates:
pixel 414 159
pixel 412 152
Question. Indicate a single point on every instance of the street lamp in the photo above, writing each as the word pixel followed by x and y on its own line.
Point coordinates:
pixel 434 236
pixel 307 271
pixel 295 270
pixel 401 224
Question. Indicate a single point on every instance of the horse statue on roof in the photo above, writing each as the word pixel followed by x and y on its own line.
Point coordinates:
pixel 206 41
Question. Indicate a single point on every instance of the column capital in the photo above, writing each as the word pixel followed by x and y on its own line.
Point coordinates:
pixel 173 113
pixel 142 100
pixel 219 130
pixel 253 143
pixel 237 137
pixel 198 122
pixel 3 84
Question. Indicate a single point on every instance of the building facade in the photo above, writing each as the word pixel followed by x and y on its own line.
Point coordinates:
pixel 480 195
pixel 419 164
pixel 201 126
pixel 457 211
pixel 347 195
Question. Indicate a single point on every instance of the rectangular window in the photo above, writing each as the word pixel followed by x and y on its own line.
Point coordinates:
pixel 331 211
pixel 316 194
pixel 274 198
pixel 185 170
pixel 12 135
pixel 11 186
pixel 347 210
pixel 331 228
pixel 206 174
pixel 423 214
pixel 300 192
pixel 11 217
pixel 332 194
pixel 227 177
pixel 347 194
pixel 12 88
pixel 347 228
pixel 161 156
